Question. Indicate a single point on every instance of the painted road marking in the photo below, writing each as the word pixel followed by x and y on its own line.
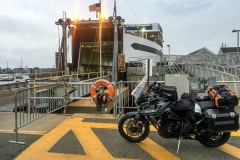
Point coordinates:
pixel 156 151
pixel 92 146
pixel 227 148
pixel 236 133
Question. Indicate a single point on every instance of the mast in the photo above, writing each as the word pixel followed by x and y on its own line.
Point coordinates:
pixel 100 39
pixel 64 23
pixel 64 33
pixel 21 67
pixel 115 10
pixel 115 22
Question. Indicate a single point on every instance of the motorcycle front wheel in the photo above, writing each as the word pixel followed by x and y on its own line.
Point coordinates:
pixel 132 130
pixel 216 139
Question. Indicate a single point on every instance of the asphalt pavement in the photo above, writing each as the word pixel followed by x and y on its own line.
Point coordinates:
pixel 7 102
pixel 27 134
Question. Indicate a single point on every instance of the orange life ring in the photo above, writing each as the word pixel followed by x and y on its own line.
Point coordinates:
pixel 104 83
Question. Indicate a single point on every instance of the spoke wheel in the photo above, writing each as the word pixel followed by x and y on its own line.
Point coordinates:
pixel 216 139
pixel 131 130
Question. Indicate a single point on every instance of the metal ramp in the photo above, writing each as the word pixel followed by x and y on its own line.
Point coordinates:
pixel 225 67
pixel 174 68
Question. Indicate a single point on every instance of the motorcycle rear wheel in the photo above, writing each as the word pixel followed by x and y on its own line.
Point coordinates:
pixel 216 140
pixel 131 131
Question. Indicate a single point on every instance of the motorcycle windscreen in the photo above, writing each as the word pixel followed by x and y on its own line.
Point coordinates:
pixel 139 89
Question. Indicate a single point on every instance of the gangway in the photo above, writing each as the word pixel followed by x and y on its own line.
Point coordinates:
pixel 225 67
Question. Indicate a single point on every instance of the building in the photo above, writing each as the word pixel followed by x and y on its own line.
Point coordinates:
pixel 202 52
pixel 224 50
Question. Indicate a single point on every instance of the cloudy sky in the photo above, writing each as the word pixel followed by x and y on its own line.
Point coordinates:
pixel 28 29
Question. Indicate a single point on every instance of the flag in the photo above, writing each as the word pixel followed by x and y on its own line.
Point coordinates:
pixel 95 7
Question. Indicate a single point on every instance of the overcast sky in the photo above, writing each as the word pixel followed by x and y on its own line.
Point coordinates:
pixel 28 29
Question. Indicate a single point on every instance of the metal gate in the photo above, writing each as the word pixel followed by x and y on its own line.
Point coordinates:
pixel 37 101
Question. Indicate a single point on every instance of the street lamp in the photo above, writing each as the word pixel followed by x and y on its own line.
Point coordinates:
pixel 168 54
pixel 237 38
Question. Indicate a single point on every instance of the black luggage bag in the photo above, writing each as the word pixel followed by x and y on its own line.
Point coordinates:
pixel 172 90
pixel 222 119
pixel 202 97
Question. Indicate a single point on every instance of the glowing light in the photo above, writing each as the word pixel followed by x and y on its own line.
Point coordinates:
pixel 76 18
pixel 143 29
pixel 103 15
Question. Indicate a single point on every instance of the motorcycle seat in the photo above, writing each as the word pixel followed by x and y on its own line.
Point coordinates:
pixel 206 105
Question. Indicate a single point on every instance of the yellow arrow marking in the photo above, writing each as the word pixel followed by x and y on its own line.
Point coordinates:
pixel 93 147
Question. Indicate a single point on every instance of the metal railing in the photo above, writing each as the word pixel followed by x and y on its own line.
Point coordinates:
pixel 50 75
pixel 123 98
pixel 83 87
pixel 37 101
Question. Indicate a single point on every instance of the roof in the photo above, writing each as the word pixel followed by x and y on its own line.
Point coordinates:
pixel 228 49
pixel 202 51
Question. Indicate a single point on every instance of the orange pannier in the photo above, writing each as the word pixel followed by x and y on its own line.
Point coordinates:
pixel 222 96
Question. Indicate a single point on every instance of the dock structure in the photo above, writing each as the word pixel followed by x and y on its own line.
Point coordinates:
pixel 192 65
pixel 223 67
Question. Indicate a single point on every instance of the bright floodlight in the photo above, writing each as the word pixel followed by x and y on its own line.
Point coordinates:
pixel 103 15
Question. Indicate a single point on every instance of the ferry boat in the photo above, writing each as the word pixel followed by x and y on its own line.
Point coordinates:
pixel 135 41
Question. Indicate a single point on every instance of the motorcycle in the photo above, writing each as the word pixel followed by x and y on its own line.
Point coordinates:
pixel 212 126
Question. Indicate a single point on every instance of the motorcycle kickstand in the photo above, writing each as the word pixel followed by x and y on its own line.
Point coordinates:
pixel 179 142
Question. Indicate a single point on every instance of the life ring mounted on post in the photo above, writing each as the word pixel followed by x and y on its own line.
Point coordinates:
pixel 101 98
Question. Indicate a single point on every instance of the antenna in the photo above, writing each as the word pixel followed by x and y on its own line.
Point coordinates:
pixel 115 9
